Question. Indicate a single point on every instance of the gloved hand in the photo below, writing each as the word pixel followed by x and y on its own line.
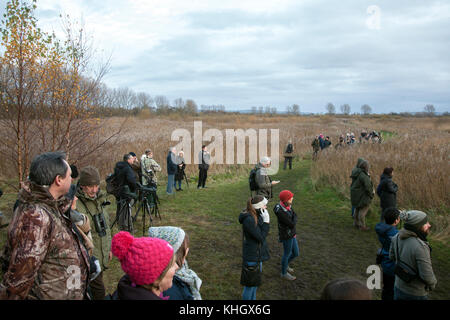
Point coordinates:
pixel 265 216
pixel 95 268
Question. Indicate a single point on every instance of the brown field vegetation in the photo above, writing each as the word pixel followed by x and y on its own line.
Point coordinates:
pixel 417 148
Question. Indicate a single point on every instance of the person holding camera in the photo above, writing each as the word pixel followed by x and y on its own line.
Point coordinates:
pixel 149 168
pixel 255 220
pixel 410 250
pixel 126 179
pixel 92 202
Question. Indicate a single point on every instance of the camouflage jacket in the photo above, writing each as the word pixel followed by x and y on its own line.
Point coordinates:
pixel 101 237
pixel 43 257
pixel 148 164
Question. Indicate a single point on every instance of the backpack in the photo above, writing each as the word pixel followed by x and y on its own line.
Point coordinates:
pixel 252 179
pixel 111 185
pixel 289 148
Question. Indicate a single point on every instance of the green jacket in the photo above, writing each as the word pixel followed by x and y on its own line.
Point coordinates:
pixel 149 168
pixel 416 253
pixel 361 189
pixel 91 207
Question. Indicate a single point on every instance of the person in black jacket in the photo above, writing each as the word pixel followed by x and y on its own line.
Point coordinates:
pixel 171 170
pixel 126 179
pixel 287 219
pixel 179 175
pixel 387 191
pixel 255 221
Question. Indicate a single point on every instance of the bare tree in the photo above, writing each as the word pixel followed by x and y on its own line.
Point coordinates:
pixel 429 108
pixel 296 109
pixel 345 108
pixel 179 104
pixel 366 109
pixel 144 100
pixel 331 109
pixel 191 106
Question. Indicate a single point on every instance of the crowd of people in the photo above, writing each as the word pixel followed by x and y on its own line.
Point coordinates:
pixel 60 242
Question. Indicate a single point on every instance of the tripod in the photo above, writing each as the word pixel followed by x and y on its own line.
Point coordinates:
pixel 148 204
pixel 123 215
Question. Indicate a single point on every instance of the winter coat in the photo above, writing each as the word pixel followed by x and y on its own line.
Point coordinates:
pixel 361 189
pixel 264 182
pixel 254 247
pixel 127 291
pixel 179 290
pixel 179 175
pixel 92 207
pixel 287 220
pixel 148 164
pixel 204 163
pixel 385 232
pixel 326 143
pixel 416 253
pixel 126 178
pixel 387 191
pixel 43 258
pixel 171 165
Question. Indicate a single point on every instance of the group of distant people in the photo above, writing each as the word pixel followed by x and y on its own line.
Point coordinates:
pixel 407 248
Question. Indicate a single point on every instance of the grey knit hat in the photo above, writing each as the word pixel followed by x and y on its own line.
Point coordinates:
pixel 173 235
pixel 415 218
pixel 89 176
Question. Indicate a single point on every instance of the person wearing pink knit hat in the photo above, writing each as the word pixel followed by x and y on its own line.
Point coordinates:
pixel 287 219
pixel 149 265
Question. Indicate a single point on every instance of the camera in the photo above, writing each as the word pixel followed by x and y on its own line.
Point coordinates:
pixel 100 224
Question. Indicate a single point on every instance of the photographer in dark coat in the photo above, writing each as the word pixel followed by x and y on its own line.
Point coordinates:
pixel 387 191
pixel 126 179
pixel 179 175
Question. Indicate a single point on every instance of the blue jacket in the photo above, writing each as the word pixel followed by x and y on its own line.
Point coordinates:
pixel 385 233
pixel 171 165
pixel 321 143
pixel 179 290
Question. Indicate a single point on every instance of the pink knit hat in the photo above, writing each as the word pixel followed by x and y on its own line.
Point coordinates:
pixel 142 259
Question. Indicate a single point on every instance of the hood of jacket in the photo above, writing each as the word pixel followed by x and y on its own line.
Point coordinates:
pixel 384 177
pixel 405 234
pixel 244 215
pixel 382 229
pixel 122 164
pixel 33 193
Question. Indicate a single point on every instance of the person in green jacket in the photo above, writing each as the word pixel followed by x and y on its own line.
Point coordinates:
pixel 91 202
pixel 411 247
pixel 361 193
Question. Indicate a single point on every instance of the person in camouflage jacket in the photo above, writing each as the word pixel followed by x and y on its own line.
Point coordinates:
pixel 43 257
pixel 90 200
pixel 149 168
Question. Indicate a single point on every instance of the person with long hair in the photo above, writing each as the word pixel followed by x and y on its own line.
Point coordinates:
pixel 149 265
pixel 255 222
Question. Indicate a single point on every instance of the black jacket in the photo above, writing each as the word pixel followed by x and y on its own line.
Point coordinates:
pixel 180 172
pixel 387 191
pixel 171 165
pixel 287 219
pixel 125 177
pixel 126 291
pixel 254 247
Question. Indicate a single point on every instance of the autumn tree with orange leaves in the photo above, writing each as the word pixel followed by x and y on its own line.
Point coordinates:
pixel 48 90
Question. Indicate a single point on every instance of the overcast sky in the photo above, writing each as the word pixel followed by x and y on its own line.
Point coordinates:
pixel 392 55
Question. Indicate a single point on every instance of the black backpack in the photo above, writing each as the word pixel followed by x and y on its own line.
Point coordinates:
pixel 289 148
pixel 111 185
pixel 252 179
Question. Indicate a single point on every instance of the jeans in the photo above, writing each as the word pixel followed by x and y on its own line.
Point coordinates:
pixel 175 184
pixel 286 160
pixel 290 248
pixel 249 293
pixel 202 176
pixel 400 295
pixel 170 183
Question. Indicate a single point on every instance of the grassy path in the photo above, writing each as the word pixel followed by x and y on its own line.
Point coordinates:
pixel 329 246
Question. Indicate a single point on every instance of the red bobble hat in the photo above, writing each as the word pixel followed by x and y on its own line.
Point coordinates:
pixel 285 195
pixel 142 259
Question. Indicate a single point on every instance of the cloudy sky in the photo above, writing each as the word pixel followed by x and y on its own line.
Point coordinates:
pixel 392 55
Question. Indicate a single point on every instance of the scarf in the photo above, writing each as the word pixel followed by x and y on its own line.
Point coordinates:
pixel 189 277
pixel 284 206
